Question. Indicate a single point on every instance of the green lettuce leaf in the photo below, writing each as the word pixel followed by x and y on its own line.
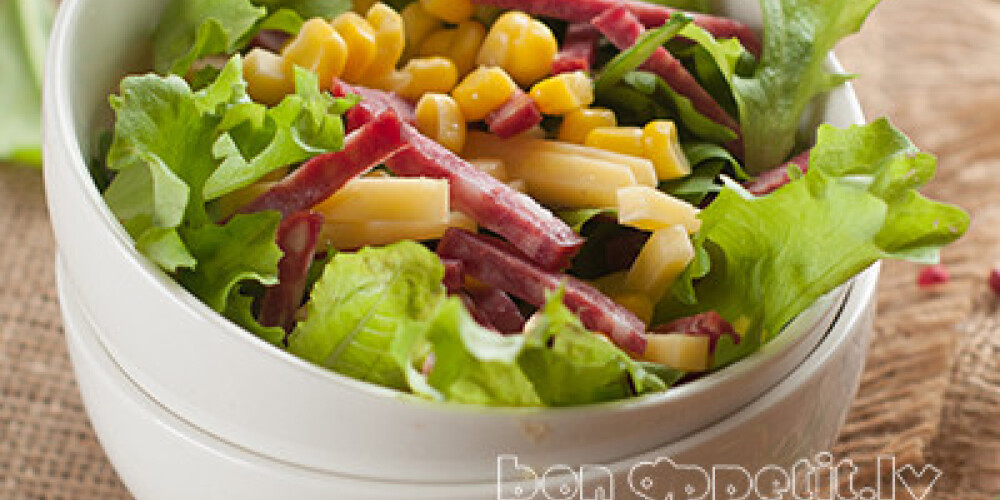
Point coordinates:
pixel 773 256
pixel 24 33
pixel 242 249
pixel 798 35
pixel 303 125
pixel 191 29
pixel 162 149
pixel 362 302
pixel 557 362
pixel 289 15
pixel 630 59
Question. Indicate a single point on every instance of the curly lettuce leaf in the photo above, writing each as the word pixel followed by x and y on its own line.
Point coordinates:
pixel 303 125
pixel 556 362
pixel 798 35
pixel 243 249
pixel 362 302
pixel 289 15
pixel 773 256
pixel 192 29
pixel 24 33
pixel 161 151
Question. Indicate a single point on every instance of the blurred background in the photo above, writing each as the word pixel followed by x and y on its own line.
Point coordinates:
pixel 931 391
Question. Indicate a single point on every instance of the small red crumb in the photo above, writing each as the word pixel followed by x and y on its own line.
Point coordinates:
pixel 994 280
pixel 933 275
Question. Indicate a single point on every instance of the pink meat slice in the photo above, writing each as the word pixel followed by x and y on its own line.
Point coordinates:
pixel 493 262
pixel 710 324
pixel 297 237
pixel 770 180
pixel 650 14
pixel 623 29
pixel 454 275
pixel 533 229
pixel 577 52
pixel 365 148
pixel 374 102
pixel 517 115
pixel 498 309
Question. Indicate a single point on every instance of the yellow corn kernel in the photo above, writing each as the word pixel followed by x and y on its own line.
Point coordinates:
pixel 437 43
pixel 624 140
pixel 269 78
pixel 319 48
pixel 496 48
pixel 460 44
pixel 439 118
pixel 389 40
pixel 577 124
pixel 661 145
pixel 532 55
pixel 421 76
pixel 452 11
pixel 362 47
pixel 362 6
pixel 521 45
pixel 564 93
pixel 661 260
pixel 650 209
pixel 639 304
pixel 418 23
pixel 688 353
pixel 496 168
pixel 483 91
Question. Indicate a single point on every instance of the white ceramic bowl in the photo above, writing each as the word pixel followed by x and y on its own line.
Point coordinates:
pixel 160 456
pixel 229 385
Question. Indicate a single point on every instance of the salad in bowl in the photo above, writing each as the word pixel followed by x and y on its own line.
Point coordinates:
pixel 508 202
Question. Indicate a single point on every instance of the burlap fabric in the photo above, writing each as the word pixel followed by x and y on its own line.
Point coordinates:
pixel 930 394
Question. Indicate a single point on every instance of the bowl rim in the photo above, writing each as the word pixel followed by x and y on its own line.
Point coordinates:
pixel 59 121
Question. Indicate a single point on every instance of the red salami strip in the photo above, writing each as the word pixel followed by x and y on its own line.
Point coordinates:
pixel 320 177
pixel 623 29
pixel 491 261
pixel 577 52
pixel 532 228
pixel 297 236
pixel 651 15
pixel 497 308
pixel 373 103
pixel 518 114
pixel 770 180
pixel 454 275
pixel 710 324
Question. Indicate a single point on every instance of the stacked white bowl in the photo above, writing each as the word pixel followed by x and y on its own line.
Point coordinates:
pixel 189 405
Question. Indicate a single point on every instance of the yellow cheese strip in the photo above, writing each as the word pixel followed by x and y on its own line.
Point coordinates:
pixel 519 151
pixel 683 352
pixel 557 180
pixel 389 199
pixel 650 209
pixel 660 261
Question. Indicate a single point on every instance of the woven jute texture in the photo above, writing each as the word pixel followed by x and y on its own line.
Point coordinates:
pixel 931 390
